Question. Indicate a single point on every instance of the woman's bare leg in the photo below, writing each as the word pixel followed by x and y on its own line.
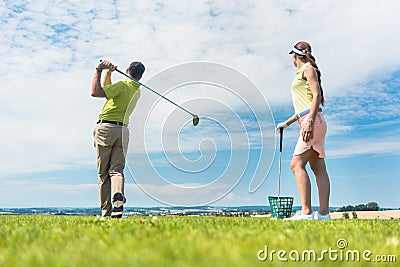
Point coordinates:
pixel 319 168
pixel 298 166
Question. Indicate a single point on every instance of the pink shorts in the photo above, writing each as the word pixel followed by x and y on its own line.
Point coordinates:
pixel 317 142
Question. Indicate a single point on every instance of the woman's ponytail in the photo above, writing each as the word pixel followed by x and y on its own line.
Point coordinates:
pixel 311 59
pixel 304 46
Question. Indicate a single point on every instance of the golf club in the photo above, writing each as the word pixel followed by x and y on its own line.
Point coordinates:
pixel 195 117
pixel 281 207
pixel 280 160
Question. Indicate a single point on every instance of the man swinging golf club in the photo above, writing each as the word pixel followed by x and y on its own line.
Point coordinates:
pixel 112 124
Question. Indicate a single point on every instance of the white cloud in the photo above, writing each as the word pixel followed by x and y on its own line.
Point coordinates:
pixel 50 51
pixel 46 193
pixel 371 145
pixel 186 194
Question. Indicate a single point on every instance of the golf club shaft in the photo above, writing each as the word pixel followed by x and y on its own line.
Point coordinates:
pixel 280 160
pixel 133 79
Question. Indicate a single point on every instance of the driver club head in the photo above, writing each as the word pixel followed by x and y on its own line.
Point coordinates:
pixel 195 120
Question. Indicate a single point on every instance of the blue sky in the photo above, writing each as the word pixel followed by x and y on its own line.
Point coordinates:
pixel 240 54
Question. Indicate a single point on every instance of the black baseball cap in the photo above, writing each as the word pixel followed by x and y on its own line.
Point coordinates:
pixel 136 69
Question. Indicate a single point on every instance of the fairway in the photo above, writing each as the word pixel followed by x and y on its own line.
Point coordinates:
pixel 194 241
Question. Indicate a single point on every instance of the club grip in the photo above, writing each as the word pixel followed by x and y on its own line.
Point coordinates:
pixel 280 139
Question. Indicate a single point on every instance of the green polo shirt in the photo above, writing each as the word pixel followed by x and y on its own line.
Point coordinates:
pixel 121 97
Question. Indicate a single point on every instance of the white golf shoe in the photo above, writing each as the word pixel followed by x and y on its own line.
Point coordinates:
pixel 300 216
pixel 321 217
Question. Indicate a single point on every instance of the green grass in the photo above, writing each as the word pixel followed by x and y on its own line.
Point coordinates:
pixel 185 241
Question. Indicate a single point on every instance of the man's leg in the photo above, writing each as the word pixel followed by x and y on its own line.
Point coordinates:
pixel 117 165
pixel 104 191
pixel 103 153
pixel 104 182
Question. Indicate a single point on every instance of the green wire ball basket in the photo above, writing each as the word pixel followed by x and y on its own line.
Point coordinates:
pixel 281 207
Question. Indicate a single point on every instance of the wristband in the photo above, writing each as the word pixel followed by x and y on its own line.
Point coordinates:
pixel 99 69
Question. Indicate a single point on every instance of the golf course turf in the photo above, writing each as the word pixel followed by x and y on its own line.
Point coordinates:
pixel 37 240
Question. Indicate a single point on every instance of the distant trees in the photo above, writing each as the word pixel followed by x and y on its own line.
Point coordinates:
pixel 346 215
pixel 371 206
pixel 354 213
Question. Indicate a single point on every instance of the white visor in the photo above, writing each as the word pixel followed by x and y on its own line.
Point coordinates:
pixel 298 52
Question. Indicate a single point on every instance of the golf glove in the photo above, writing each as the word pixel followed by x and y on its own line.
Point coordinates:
pixel 281 125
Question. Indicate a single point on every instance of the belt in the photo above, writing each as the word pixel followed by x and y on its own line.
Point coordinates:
pixel 112 122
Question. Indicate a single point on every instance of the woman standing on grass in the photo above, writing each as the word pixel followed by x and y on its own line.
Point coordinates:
pixel 307 94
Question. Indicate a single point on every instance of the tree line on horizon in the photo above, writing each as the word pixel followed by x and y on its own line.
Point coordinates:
pixel 371 206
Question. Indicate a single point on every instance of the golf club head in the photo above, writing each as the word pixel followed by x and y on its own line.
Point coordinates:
pixel 195 120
